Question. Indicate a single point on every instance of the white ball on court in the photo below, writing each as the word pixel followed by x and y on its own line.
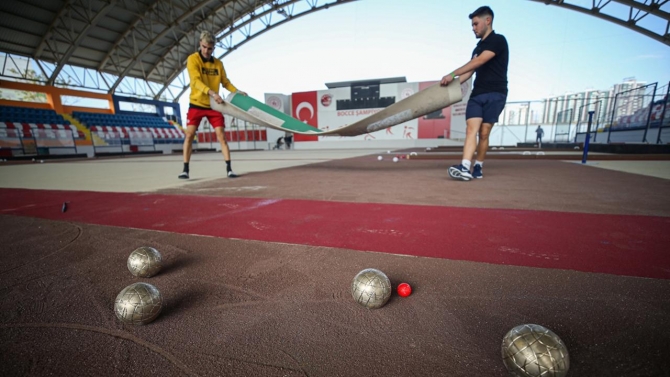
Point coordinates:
pixel 41 161
pixel 388 151
pixel 380 158
pixel 429 148
pixel 526 153
pixel 395 159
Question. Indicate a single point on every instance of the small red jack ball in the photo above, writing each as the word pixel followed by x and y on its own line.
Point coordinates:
pixel 404 290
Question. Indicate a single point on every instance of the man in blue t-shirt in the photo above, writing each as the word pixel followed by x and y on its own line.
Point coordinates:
pixel 487 100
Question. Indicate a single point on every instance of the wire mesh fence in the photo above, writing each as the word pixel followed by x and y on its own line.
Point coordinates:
pixel 637 115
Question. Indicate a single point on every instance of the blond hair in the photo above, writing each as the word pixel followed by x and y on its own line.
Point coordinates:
pixel 207 37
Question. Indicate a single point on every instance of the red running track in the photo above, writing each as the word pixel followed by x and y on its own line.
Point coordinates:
pixel 612 244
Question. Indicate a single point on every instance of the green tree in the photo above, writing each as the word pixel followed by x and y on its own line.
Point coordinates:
pixel 32 76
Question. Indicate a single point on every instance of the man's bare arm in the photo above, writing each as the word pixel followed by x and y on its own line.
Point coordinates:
pixel 466 77
pixel 469 67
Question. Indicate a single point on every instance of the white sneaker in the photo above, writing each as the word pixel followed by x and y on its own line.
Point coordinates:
pixel 460 172
pixel 232 175
pixel 183 175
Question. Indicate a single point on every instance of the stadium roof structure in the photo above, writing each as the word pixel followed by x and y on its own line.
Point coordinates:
pixel 648 17
pixel 346 84
pixel 139 47
pixel 131 45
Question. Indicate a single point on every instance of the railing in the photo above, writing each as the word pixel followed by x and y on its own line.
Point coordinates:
pixel 113 142
pixel 638 115
pixel 239 135
pixel 38 142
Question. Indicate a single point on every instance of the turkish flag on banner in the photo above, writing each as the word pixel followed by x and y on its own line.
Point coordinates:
pixel 304 108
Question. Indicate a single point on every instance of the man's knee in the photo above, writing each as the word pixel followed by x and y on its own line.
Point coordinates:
pixel 485 131
pixel 473 128
pixel 222 139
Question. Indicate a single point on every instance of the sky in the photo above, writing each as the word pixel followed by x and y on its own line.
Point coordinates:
pixel 553 51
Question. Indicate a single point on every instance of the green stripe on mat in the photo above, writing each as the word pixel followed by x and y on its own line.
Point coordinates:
pixel 266 113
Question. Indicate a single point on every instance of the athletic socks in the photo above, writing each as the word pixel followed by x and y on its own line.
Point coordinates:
pixel 466 164
pixel 228 168
pixel 480 163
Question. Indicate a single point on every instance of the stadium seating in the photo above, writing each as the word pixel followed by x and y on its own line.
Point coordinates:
pixel 25 120
pixel 30 115
pixel 125 126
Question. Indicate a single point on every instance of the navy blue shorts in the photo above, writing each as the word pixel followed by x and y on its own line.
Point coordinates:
pixel 487 106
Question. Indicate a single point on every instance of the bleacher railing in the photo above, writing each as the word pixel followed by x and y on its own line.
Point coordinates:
pixel 112 142
pixel 239 135
pixel 11 139
pixel 38 142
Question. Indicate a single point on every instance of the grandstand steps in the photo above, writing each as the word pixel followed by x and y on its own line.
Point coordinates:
pixel 182 129
pixel 177 126
pixel 90 137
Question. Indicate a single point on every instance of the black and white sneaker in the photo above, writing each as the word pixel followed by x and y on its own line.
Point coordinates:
pixel 232 175
pixel 477 172
pixel 460 172
pixel 183 175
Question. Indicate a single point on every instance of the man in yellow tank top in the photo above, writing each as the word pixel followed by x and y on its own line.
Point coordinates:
pixel 206 73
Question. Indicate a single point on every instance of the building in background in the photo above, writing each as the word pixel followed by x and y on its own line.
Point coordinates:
pixel 625 105
pixel 343 103
pixel 574 107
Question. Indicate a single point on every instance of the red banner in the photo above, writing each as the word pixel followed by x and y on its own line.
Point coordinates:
pixel 304 108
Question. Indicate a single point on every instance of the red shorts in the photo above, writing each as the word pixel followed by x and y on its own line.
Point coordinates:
pixel 194 117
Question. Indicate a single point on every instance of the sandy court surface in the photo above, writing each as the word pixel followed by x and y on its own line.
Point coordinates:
pixel 253 305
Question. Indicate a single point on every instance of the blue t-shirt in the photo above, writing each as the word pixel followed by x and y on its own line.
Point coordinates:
pixel 492 76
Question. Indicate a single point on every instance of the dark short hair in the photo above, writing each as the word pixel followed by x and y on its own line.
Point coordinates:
pixel 482 11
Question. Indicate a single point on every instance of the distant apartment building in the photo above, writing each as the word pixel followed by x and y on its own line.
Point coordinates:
pixel 575 107
pixel 520 113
